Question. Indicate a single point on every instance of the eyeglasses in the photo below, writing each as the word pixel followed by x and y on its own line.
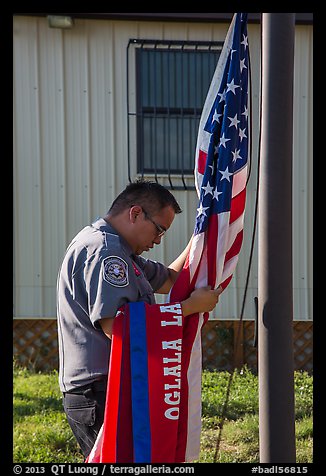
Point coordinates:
pixel 160 230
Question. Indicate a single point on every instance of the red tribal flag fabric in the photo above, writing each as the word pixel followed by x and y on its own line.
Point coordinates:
pixel 153 406
pixel 141 422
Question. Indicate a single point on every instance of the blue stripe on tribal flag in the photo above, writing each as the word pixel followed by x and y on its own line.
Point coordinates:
pixel 139 383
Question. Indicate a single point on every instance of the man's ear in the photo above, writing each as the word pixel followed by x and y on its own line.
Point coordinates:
pixel 134 212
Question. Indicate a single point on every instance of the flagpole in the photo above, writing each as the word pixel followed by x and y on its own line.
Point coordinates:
pixel 275 340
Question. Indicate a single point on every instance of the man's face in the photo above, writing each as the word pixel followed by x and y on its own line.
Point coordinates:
pixel 151 228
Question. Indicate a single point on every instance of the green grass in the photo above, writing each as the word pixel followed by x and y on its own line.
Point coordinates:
pixel 240 431
pixel 42 434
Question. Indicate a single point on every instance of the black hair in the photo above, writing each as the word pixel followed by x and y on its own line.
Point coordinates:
pixel 149 195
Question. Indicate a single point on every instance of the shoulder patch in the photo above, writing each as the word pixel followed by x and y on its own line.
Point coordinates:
pixel 115 271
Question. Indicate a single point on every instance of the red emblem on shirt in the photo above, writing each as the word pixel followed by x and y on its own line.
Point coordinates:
pixel 137 272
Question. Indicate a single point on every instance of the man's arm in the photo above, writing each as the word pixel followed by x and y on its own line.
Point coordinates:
pixel 174 269
pixel 200 300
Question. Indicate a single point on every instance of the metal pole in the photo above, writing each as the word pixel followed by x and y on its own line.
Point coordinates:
pixel 275 340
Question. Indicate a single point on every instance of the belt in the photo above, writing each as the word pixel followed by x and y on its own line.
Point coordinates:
pixel 96 386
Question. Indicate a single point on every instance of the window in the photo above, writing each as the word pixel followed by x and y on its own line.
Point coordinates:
pixel 172 80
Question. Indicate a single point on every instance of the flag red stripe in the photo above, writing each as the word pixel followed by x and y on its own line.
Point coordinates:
pixel 108 451
pixel 235 248
pixel 237 206
pixel 202 158
pixel 212 238
pixel 181 287
pixel 124 445
pixel 226 282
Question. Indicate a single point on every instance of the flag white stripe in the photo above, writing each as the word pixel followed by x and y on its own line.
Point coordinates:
pixel 196 252
pixel 229 267
pixel 194 397
pixel 201 280
pixel 222 241
pixel 239 181
pixel 234 230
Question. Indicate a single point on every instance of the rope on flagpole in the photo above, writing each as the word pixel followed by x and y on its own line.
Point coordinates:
pixel 237 337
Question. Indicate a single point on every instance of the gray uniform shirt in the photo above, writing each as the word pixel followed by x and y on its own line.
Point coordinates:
pixel 99 273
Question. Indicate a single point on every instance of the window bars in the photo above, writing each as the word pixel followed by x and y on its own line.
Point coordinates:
pixel 167 83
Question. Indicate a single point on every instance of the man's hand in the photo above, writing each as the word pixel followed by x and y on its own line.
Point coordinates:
pixel 107 323
pixel 201 300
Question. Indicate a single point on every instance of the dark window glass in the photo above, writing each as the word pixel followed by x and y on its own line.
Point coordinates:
pixel 172 84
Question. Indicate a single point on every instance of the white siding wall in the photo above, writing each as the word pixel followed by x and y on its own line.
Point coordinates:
pixel 70 152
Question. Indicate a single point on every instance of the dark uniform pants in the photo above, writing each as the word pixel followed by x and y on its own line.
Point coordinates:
pixel 84 408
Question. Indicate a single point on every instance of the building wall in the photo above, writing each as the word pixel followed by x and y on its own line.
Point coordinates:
pixel 71 152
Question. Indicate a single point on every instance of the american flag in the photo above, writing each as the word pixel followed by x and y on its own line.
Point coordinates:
pixel 221 170
pixel 148 419
pixel 221 164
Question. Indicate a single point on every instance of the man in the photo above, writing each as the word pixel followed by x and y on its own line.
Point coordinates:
pixel 102 270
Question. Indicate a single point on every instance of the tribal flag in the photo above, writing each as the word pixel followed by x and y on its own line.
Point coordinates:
pixel 153 370
pixel 141 421
pixel 153 406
